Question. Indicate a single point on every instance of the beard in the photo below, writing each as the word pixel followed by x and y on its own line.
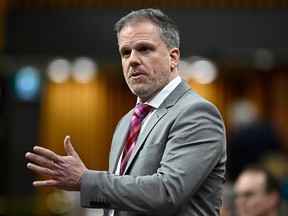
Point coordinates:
pixel 146 88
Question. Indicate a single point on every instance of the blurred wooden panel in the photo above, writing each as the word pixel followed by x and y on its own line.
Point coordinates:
pixel 279 104
pixel 88 113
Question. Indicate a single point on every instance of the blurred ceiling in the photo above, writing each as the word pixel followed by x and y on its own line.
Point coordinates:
pixel 238 32
pixel 141 3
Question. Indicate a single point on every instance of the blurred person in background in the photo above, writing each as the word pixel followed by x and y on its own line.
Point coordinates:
pixel 178 164
pixel 257 193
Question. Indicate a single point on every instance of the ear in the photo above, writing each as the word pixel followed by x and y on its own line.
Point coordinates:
pixel 174 57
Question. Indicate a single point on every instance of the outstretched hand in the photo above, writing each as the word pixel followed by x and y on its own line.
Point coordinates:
pixel 65 172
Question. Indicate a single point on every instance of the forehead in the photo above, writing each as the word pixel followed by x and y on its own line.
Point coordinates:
pixel 137 31
pixel 250 180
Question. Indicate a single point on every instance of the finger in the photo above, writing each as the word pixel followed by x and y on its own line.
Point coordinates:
pixel 68 146
pixel 40 160
pixel 40 170
pixel 50 155
pixel 45 183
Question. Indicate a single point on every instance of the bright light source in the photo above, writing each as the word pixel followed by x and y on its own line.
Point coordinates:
pixel 84 69
pixel 198 69
pixel 203 71
pixel 59 70
pixel 27 83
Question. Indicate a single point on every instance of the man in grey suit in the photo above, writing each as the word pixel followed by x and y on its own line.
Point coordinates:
pixel 178 163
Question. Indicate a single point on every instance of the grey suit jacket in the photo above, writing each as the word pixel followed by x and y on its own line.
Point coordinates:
pixel 177 166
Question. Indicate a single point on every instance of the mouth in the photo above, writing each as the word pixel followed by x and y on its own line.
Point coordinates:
pixel 136 75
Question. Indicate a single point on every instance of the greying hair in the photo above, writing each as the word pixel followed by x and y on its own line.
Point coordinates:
pixel 168 30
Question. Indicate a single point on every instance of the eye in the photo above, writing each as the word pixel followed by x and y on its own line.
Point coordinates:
pixel 144 49
pixel 125 53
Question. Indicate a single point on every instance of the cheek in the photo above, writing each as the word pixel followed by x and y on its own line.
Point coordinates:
pixel 125 69
pixel 255 205
pixel 157 66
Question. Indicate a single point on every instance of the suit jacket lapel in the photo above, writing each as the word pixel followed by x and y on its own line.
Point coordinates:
pixel 140 140
pixel 159 113
pixel 119 141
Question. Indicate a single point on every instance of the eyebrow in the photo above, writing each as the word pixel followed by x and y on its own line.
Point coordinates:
pixel 137 45
pixel 143 43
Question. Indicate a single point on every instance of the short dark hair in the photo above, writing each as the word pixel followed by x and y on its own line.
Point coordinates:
pixel 167 28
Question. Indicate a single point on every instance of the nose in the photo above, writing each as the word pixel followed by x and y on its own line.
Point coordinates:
pixel 134 59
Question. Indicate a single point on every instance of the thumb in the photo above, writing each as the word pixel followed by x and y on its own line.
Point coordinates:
pixel 68 146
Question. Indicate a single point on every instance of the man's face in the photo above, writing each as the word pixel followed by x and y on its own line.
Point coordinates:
pixel 148 65
pixel 251 197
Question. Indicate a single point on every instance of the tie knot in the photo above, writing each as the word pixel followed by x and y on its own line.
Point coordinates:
pixel 142 110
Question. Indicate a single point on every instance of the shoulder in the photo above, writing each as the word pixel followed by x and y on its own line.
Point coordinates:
pixel 184 97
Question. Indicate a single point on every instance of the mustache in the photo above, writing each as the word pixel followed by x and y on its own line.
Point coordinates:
pixel 137 72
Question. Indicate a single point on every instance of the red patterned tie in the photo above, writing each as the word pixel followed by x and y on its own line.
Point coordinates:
pixel 139 114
